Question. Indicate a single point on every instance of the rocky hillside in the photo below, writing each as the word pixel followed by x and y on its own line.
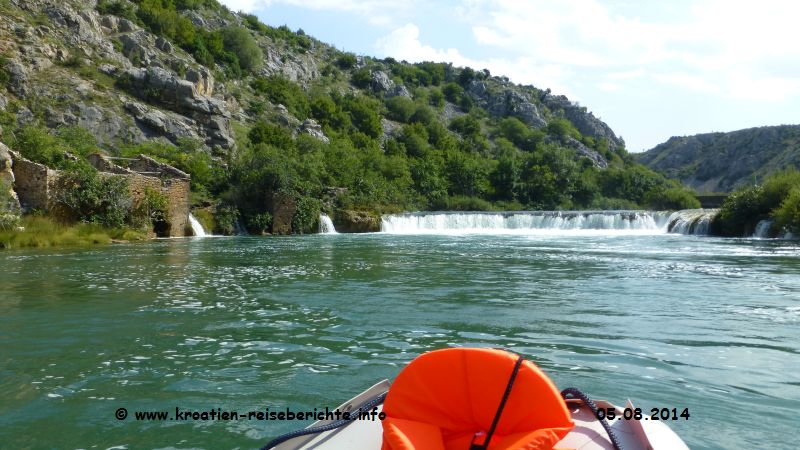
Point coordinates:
pixel 722 162
pixel 267 118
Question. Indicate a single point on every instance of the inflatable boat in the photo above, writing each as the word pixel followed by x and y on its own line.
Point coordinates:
pixel 481 399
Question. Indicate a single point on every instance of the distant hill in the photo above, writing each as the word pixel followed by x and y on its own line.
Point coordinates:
pixel 722 162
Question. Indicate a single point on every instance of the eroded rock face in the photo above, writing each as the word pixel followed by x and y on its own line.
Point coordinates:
pixel 586 152
pixel 381 82
pixel 154 122
pixel 313 129
pixel 584 121
pixel 282 207
pixel 208 115
pixel 506 101
pixel 9 203
pixel 18 83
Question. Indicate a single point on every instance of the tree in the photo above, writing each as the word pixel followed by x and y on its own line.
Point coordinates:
pixel 241 43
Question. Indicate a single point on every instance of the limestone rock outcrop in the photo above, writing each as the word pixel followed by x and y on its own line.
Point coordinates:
pixel 9 203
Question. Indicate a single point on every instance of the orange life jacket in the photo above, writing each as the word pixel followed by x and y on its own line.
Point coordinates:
pixel 445 399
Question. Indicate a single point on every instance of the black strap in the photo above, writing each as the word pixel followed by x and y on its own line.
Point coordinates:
pixel 506 394
pixel 577 393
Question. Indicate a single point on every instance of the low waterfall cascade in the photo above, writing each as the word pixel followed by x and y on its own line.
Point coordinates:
pixel 691 221
pixel 762 229
pixel 326 225
pixel 197 229
pixel 645 222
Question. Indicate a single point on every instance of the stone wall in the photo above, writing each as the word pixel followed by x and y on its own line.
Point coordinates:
pixel 177 193
pixel 33 183
pixel 145 173
pixel 36 186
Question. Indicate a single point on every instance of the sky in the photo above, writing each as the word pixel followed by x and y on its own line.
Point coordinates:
pixel 650 69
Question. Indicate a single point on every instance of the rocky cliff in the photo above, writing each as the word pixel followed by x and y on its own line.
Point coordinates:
pixel 721 162
pixel 251 111
pixel 68 64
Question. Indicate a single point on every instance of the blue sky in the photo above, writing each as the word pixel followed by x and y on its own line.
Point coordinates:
pixel 650 69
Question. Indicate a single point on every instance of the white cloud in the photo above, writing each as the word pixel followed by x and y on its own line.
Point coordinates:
pixel 717 47
pixel 404 43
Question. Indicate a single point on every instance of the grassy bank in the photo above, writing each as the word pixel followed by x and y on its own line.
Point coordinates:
pixel 45 232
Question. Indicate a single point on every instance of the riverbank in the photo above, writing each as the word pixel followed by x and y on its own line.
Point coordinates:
pixel 39 231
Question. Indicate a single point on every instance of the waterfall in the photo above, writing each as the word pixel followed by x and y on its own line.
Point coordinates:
pixel 632 222
pixel 762 229
pixel 691 221
pixel 197 229
pixel 326 225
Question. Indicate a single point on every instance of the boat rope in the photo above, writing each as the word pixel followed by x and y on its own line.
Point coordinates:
pixel 373 402
pixel 506 394
pixel 576 393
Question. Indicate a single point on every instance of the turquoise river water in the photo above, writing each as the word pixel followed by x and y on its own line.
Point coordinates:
pixel 250 323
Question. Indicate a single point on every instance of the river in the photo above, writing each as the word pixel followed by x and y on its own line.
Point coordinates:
pixel 249 323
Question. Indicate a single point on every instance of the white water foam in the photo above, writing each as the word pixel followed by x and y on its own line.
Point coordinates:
pixel 762 229
pixel 691 221
pixel 326 225
pixel 536 222
pixel 197 229
pixel 551 222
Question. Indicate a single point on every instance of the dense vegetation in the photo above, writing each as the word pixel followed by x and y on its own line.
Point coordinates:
pixel 233 48
pixel 427 146
pixel 777 199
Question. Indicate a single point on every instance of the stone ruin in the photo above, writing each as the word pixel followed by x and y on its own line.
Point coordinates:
pixel 36 186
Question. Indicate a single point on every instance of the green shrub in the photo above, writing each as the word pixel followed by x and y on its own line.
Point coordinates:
pixel 93 198
pixel 267 133
pixel 363 114
pixel 424 115
pixel 467 126
pixel 787 215
pixel 436 97
pixel 79 140
pixel 241 43
pixel 226 218
pixel 361 78
pixel 37 144
pixel 777 198
pixel 520 134
pixel 563 128
pixel 258 223
pixel 306 216
pixel 280 90
pixel 453 92
pixel 117 8
pixel 346 61
pixel 400 108
pixel 740 212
